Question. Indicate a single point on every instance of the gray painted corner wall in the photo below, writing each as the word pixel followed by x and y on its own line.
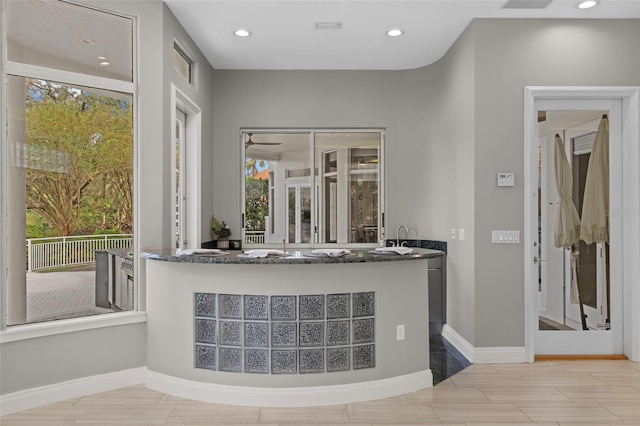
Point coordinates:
pixel 512 54
pixel 201 93
pixel 452 190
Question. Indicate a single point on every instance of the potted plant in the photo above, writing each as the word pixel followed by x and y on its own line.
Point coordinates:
pixel 222 230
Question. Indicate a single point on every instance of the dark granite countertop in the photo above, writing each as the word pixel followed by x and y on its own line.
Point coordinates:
pixel 292 257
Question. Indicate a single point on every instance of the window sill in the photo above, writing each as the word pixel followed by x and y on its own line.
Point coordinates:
pixel 50 328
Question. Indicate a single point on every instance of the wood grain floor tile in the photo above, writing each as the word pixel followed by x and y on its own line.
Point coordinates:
pixel 629 411
pixel 568 412
pixel 512 424
pixel 463 395
pixel 328 414
pixel 487 380
pixel 489 413
pixel 572 379
pixel 513 394
pixel 212 413
pixel 601 393
pixel 391 412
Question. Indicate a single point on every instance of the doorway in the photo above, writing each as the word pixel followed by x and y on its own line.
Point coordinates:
pixel 547 268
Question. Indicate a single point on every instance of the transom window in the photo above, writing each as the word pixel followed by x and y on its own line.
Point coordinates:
pixel 314 187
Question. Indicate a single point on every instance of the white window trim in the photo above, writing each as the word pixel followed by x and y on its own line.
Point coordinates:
pixel 50 328
pixel 312 131
pixel 34 330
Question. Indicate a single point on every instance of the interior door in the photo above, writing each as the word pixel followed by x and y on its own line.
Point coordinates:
pixel 298 214
pixel 560 331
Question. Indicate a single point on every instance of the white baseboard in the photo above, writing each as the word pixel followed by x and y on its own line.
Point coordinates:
pixel 289 397
pixel 49 394
pixel 460 343
pixel 492 355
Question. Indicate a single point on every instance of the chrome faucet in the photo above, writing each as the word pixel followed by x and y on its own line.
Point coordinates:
pixel 398 235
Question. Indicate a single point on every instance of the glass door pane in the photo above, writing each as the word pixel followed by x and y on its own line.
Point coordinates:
pixel 363 192
pixel 305 214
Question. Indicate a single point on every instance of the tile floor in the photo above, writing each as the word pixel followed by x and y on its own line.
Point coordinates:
pixel 548 393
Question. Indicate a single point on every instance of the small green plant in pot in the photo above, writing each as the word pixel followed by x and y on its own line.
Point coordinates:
pixel 222 230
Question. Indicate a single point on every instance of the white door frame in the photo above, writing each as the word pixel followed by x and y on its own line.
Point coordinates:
pixel 193 155
pixel 629 214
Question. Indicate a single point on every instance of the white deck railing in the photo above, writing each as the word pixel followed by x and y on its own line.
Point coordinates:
pixel 254 237
pixel 43 253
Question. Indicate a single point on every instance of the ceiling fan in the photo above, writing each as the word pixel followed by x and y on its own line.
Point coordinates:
pixel 249 142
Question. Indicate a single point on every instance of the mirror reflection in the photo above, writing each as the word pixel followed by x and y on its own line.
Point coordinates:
pixel 572 246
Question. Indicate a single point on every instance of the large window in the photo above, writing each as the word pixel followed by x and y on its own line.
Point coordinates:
pixel 313 188
pixel 68 156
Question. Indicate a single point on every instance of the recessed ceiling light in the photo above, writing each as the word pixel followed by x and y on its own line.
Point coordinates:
pixel 105 63
pixel 242 33
pixel 102 58
pixel 588 4
pixel 395 32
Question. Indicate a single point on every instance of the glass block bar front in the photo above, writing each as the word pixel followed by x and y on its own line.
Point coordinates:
pixel 320 333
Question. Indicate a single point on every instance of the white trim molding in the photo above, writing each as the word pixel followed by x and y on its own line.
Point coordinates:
pixel 491 355
pixel 50 328
pixel 289 397
pixel 49 394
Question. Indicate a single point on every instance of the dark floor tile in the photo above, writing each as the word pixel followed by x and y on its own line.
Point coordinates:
pixel 445 360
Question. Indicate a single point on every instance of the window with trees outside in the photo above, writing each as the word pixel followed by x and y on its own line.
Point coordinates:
pixel 68 155
pixel 313 187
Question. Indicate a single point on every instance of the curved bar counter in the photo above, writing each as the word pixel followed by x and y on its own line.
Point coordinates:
pixel 288 331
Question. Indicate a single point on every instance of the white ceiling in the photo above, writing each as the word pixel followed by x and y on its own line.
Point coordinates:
pixel 284 37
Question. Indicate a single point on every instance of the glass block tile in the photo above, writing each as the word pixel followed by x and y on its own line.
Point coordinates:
pixel 311 307
pixel 230 359
pixel 230 306
pixel 230 333
pixel 338 333
pixel 363 331
pixel 311 333
pixel 364 356
pixel 363 304
pixel 206 331
pixel 284 362
pixel 338 305
pixel 311 360
pixel 256 361
pixel 283 334
pixel 206 357
pixel 205 305
pixel 283 308
pixel 338 359
pixel 256 334
pixel 255 307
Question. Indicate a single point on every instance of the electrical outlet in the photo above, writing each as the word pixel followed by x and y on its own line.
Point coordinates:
pixel 400 332
pixel 453 233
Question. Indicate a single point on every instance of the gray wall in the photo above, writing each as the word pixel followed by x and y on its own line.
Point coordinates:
pixel 58 358
pixel 449 193
pixel 512 54
pixel 451 127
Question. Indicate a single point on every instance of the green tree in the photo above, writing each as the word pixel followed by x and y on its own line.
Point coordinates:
pixel 256 203
pixel 79 155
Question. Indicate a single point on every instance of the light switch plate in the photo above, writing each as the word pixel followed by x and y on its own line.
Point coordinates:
pixel 505 237
pixel 506 179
